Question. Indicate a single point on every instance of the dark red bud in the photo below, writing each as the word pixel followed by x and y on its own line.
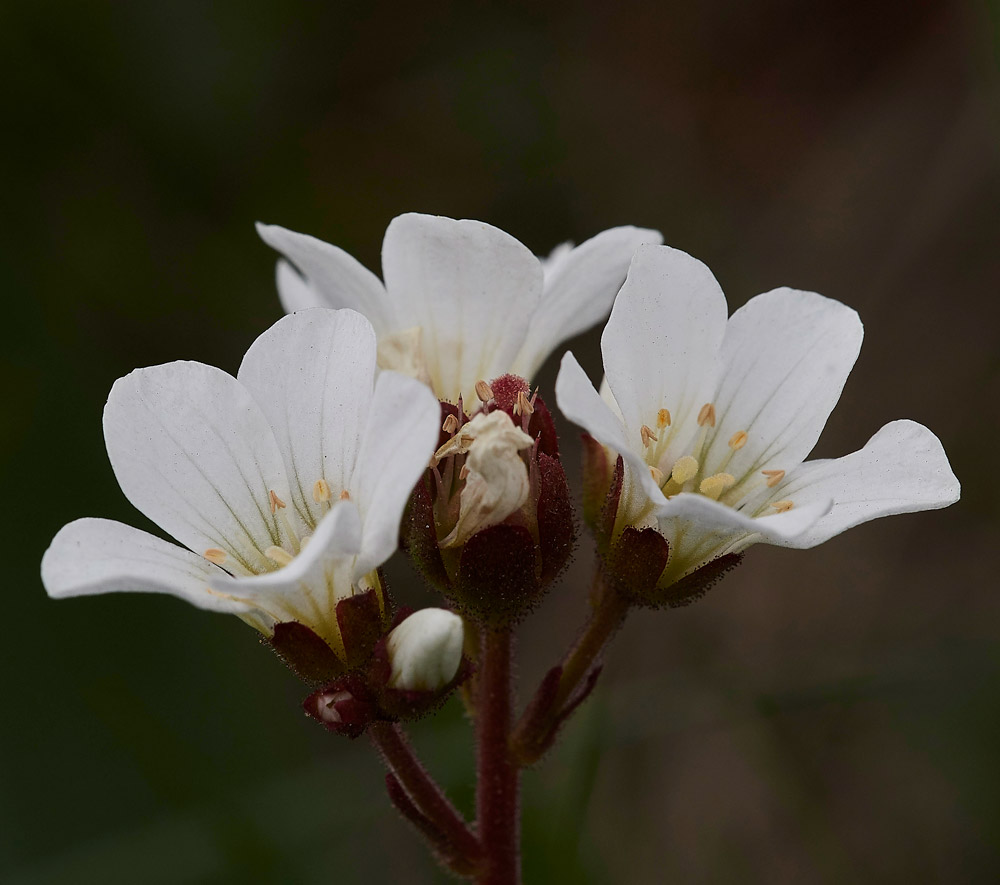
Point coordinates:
pixel 344 707
pixel 556 523
pixel 497 582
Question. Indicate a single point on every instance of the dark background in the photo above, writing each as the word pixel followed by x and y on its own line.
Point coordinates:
pixel 826 716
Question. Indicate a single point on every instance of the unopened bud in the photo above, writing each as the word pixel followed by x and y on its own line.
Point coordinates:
pixel 425 650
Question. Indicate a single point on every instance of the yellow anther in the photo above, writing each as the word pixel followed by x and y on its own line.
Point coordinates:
pixel 657 475
pixel 782 506
pixel 450 424
pixel 321 491
pixel 278 555
pixel 663 418
pixel 773 477
pixel 276 502
pixel 484 391
pixel 345 495
pixel 522 405
pixel 214 554
pixel 647 435
pixel 464 472
pixel 715 485
pixel 738 440
pixel 685 468
pixel 707 415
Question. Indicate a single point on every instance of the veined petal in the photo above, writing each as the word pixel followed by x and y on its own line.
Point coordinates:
pixel 902 469
pixel 312 375
pixel 787 355
pixel 470 287
pixel 193 451
pixel 91 556
pixel 580 287
pixel 583 405
pixel 294 290
pixel 397 443
pixel 310 586
pixel 338 278
pixel 661 344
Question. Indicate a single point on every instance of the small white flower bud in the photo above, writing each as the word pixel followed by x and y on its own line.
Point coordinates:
pixel 425 650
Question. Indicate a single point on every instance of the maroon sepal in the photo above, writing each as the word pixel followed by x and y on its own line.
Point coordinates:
pixel 308 656
pixel 556 523
pixel 496 582
pixel 691 588
pixel 446 410
pixel 543 428
pixel 361 626
pixel 605 526
pixel 346 706
pixel 597 472
pixel 419 538
pixel 636 561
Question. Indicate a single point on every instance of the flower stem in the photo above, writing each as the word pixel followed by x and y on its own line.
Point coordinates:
pixel 497 799
pixel 459 842
pixel 536 729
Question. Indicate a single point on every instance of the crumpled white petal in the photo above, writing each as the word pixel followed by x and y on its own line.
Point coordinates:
pixel 580 287
pixel 311 374
pixel 903 468
pixel 91 556
pixel 471 288
pixel 338 278
pixel 786 356
pixel 661 345
pixel 192 450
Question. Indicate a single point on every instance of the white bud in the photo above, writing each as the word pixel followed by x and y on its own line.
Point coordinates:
pixel 425 650
pixel 497 481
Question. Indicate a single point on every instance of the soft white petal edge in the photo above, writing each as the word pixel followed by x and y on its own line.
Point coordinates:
pixel 580 287
pixel 902 469
pixel 294 290
pixel 91 556
pixel 582 404
pixel 397 443
pixel 337 277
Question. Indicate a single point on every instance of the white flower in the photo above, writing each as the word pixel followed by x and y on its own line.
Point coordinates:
pixel 288 482
pixel 496 477
pixel 425 650
pixel 462 300
pixel 714 419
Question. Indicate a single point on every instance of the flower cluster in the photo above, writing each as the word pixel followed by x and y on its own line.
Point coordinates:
pixel 379 415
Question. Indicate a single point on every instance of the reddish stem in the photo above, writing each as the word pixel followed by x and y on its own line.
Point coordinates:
pixel 426 795
pixel 497 799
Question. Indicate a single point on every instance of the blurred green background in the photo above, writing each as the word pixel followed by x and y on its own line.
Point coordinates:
pixel 828 716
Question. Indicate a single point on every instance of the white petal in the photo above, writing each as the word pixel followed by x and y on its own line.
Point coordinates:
pixel 338 278
pixel 472 289
pixel 580 287
pixel 312 375
pixel 661 344
pixel 787 355
pixel 193 451
pixel 582 404
pixel 310 586
pixel 902 469
pixel 398 440
pixel 93 556
pixel 294 290
pixel 425 650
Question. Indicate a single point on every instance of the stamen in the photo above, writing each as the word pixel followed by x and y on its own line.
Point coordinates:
pixel 657 475
pixel 321 491
pixel 715 485
pixel 276 502
pixel 522 405
pixel 782 506
pixel 464 472
pixel 278 555
pixel 345 495
pixel 484 391
pixel 773 477
pixel 647 435
pixel 450 424
pixel 214 554
pixel 707 415
pixel 685 468
pixel 738 440
pixel 663 418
